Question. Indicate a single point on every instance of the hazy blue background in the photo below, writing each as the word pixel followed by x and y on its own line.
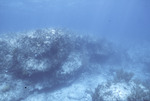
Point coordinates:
pixel 113 18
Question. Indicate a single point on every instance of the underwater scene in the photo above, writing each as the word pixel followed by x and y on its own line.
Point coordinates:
pixel 74 50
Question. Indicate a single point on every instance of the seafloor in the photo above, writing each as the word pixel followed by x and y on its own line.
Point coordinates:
pixel 59 65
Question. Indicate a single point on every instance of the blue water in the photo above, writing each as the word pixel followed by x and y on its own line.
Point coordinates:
pixel 108 17
pixel 66 50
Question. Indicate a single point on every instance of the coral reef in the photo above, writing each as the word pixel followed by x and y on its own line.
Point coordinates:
pixel 48 58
